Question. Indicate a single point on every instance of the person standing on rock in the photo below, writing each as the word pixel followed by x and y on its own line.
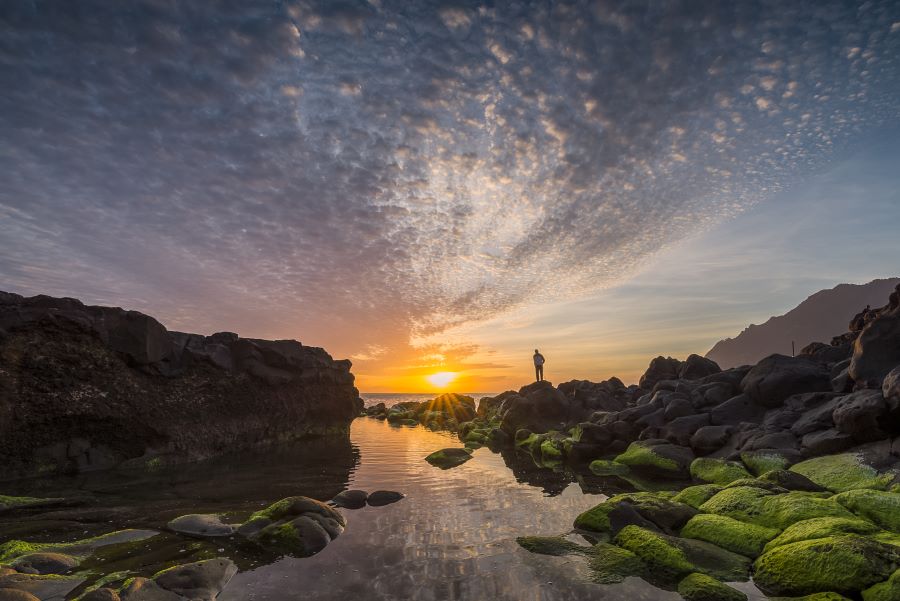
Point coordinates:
pixel 538 366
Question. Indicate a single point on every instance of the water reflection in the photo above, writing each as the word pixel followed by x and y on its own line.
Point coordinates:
pixel 452 537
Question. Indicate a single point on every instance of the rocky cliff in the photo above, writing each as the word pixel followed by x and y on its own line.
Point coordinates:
pixel 87 387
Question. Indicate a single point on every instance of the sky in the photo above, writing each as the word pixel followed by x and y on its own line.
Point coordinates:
pixel 427 187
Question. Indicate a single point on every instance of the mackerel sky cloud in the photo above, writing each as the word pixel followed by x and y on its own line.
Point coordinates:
pixel 356 174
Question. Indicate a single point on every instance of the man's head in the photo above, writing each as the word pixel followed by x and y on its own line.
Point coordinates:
pixel 536 352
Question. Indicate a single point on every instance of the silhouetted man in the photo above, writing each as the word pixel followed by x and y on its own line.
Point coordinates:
pixel 538 366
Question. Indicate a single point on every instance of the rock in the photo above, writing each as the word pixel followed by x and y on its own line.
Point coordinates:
pixel 816 419
pixel 765 508
pixel 548 545
pixel 717 471
pixel 821 528
pixel 845 564
pixel 695 496
pixel 678 407
pixel 202 580
pixel 201 525
pixel 826 441
pixel 877 506
pixel 790 480
pixel 296 526
pixel 739 537
pixel 840 377
pixel 782 441
pixel 736 410
pixel 861 414
pixel 45 587
pixel 610 564
pixel 538 407
pixel 100 594
pixel 699 587
pixel 605 467
pixel 671 558
pixel 144 589
pixel 843 472
pixel 680 430
pixel 447 458
pixel 44 563
pixel 777 377
pixel 658 457
pixel 646 509
pixel 100 386
pixel 760 462
pixel 351 499
pixel 876 351
pixel 696 367
pixel 8 503
pixel 891 386
pixel 661 368
pixel 12 594
pixel 888 590
pixel 384 497
pixel 708 439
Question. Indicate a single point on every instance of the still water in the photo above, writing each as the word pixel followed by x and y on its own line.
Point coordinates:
pixel 452 537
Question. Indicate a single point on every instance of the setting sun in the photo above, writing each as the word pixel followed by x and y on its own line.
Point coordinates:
pixel 442 378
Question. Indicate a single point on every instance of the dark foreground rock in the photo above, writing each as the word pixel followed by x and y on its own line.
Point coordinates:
pixel 87 387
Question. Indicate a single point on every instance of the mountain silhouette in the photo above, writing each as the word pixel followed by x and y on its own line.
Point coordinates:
pixel 820 317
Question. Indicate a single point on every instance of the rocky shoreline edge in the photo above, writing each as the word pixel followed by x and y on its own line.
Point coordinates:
pixel 787 471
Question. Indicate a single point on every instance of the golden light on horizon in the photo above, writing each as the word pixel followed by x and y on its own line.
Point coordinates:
pixel 441 378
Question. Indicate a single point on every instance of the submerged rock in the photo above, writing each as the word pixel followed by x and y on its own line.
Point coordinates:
pixel 200 580
pixel 44 563
pixel 202 525
pixel 295 526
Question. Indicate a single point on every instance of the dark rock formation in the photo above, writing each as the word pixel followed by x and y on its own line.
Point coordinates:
pixel 88 387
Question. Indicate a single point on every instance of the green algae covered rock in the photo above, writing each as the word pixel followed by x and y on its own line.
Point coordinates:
pixel 549 545
pixel 839 473
pixel 845 564
pixel 821 528
pixel 762 507
pixel 605 467
pixel 447 458
pixel 889 590
pixel 550 452
pixel 611 564
pixel 790 480
pixel 739 537
pixel 700 587
pixel 760 462
pixel 8 503
pixel 717 471
pixel 657 508
pixel 79 549
pixel 695 496
pixel 880 507
pixel 658 457
pixel 757 483
pixel 671 558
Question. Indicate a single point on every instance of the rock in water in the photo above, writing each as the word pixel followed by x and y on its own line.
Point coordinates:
pixel 384 497
pixel 351 499
pixel 94 387
pixel 200 580
pixel 296 526
pixel 447 458
pixel 203 525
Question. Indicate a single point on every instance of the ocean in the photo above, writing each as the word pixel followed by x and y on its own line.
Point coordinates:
pixel 392 398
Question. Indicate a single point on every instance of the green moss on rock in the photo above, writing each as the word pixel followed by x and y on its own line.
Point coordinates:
pixel 610 564
pixel 880 507
pixel 447 458
pixel 845 564
pixel 670 558
pixel 717 471
pixel 762 507
pixel 655 457
pixel 550 452
pixel 821 528
pixel 605 467
pixel 695 496
pixel 839 473
pixel 739 537
pixel 700 587
pixel 760 462
pixel 889 590
pixel 829 596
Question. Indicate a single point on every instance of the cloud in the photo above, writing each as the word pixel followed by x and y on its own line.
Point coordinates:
pixel 358 174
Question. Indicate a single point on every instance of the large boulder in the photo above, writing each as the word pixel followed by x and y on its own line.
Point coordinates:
pixel 696 367
pixel 777 377
pixel 538 407
pixel 876 350
pixel 95 387
pixel 861 414
pixel 661 368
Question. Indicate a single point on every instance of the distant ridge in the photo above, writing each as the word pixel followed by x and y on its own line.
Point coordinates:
pixel 817 319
